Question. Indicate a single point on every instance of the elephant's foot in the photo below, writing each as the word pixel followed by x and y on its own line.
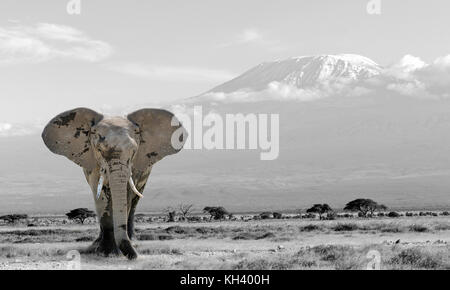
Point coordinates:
pixel 104 245
pixel 127 249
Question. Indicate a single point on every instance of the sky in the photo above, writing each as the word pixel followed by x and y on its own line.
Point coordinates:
pixel 117 54
pixel 120 55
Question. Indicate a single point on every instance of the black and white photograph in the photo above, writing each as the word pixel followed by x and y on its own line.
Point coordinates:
pixel 198 135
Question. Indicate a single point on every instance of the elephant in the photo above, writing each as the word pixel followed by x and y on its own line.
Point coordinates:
pixel 117 155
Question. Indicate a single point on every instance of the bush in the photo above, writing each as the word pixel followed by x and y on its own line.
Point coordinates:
pixel 345 227
pixel 445 213
pixel 331 216
pixel 418 228
pixel 331 253
pixel 277 215
pixel 417 259
pixel 12 218
pixel 266 215
pixel 216 212
pixel 309 228
pixel 308 216
pixel 253 236
pixel 393 214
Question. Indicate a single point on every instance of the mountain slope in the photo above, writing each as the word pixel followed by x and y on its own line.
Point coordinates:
pixel 381 145
pixel 303 72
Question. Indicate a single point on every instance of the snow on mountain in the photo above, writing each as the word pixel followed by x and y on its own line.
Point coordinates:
pixel 303 72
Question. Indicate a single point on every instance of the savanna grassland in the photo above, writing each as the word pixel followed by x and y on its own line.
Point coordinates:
pixel 417 242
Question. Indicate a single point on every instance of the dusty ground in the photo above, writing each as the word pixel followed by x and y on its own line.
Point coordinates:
pixel 403 243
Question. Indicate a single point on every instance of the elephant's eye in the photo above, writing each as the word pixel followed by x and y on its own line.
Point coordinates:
pixel 101 138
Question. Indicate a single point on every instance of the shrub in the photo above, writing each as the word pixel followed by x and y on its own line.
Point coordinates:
pixel 12 218
pixel 309 216
pixel 179 230
pixel 266 215
pixel 417 259
pixel 391 229
pixel 309 228
pixel 331 216
pixel 216 212
pixel 418 228
pixel 345 227
pixel 266 236
pixel 393 214
pixel 277 215
pixel 331 253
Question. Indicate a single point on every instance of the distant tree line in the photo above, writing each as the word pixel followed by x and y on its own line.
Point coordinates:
pixel 364 207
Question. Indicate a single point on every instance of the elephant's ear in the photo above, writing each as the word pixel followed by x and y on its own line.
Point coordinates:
pixel 161 135
pixel 68 134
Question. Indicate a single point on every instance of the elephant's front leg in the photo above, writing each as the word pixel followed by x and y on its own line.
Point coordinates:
pixel 133 200
pixel 105 243
pixel 140 179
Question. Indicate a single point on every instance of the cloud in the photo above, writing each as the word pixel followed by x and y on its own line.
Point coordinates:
pixel 249 35
pixel 256 37
pixel 43 42
pixel 410 76
pixel 420 79
pixel 410 63
pixel 172 73
pixel 12 130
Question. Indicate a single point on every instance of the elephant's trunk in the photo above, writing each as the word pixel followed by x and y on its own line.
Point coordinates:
pixel 118 179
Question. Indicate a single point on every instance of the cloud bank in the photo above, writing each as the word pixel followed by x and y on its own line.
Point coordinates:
pixel 15 130
pixel 410 76
pixel 44 41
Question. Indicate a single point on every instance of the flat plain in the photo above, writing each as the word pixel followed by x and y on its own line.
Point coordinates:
pixel 419 242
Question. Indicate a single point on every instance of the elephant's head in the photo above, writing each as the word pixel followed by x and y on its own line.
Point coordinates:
pixel 115 149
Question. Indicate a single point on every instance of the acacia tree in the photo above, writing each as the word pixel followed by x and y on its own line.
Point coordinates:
pixel 170 214
pixel 216 212
pixel 12 218
pixel 364 206
pixel 320 209
pixel 80 214
pixel 185 210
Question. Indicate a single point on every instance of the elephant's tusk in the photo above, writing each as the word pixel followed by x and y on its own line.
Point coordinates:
pixel 133 187
pixel 99 186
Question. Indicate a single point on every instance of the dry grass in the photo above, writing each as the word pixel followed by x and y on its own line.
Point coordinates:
pixel 404 243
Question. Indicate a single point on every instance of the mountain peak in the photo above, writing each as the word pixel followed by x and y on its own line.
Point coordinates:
pixel 348 57
pixel 303 72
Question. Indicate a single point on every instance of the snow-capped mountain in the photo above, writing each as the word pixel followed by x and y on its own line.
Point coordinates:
pixel 383 143
pixel 303 72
